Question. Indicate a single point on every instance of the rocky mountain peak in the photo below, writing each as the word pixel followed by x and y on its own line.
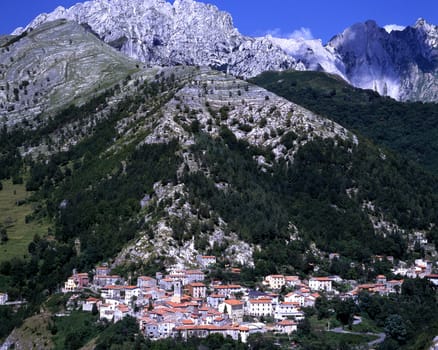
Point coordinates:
pixel 422 23
pixel 187 32
pixel 399 64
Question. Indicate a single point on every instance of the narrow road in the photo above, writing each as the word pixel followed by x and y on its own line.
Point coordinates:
pixel 380 339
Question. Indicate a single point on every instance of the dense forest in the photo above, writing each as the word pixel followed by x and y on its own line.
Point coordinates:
pixel 409 129
pixel 313 195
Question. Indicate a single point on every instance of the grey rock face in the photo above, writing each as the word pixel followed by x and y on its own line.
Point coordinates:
pixel 400 64
pixel 187 32
pixel 58 63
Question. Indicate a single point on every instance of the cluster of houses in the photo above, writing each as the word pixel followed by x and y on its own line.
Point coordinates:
pixel 420 268
pixel 182 304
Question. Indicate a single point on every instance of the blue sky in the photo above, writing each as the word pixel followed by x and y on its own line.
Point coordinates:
pixel 316 18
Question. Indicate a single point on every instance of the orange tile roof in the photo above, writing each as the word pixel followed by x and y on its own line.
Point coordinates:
pixel 145 278
pixel 287 323
pixel 208 327
pixel 148 320
pixel 233 302
pixel 321 279
pixel 114 287
pixel 290 303
pixel 130 287
pixel 197 284
pixel 217 296
pixel 292 278
pixel 260 301
pixel 176 305
pixel 91 299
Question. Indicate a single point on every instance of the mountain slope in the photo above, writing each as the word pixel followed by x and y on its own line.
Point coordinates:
pixel 191 160
pixel 45 69
pixel 410 129
pixel 194 161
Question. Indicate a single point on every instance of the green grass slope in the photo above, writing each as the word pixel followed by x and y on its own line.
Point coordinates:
pixel 13 212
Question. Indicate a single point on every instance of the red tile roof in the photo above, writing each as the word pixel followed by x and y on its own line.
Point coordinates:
pixel 188 322
pixel 287 323
pixel 233 302
pixel 208 327
pixel 260 301
pixel 92 300
pixel 321 279
pixel 197 284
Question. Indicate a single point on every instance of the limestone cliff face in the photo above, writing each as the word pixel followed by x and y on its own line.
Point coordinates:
pixel 54 65
pixel 399 64
pixel 187 32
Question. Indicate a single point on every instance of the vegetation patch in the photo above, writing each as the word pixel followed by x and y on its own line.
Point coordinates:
pixel 15 210
pixel 75 330
pixel 408 128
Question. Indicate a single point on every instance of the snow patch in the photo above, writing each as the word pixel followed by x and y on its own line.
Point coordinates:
pixel 394 27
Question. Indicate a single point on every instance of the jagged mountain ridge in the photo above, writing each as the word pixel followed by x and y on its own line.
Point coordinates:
pixel 187 32
pixel 400 64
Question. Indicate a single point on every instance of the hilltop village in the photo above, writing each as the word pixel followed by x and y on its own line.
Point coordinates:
pixel 185 302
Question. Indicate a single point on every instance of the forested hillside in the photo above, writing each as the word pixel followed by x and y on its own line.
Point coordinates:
pixel 303 188
pixel 409 129
pixel 328 195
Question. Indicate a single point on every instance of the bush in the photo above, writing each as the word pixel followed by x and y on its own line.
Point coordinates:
pixel 3 235
pixel 288 139
pixel 17 180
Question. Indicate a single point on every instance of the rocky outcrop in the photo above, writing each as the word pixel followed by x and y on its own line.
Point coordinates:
pixel 52 66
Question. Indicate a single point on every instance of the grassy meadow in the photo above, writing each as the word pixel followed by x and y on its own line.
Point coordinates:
pixel 13 217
